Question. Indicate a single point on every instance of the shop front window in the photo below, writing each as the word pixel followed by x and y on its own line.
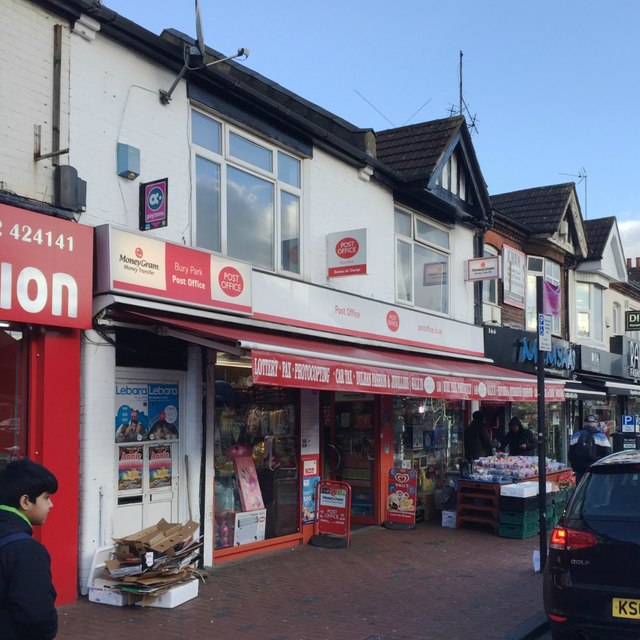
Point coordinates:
pixel 256 458
pixel 428 437
pixel 13 369
pixel 606 411
pixel 555 424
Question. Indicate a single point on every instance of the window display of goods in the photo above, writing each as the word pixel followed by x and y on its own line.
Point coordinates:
pixel 505 468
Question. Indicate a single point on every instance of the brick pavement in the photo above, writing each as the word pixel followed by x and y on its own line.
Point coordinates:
pixel 430 583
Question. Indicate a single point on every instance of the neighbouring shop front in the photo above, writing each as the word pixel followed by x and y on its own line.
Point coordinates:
pixel 222 415
pixel 517 350
pixel 614 376
pixel 45 302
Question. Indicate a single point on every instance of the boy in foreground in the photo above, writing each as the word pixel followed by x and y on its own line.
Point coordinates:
pixel 27 595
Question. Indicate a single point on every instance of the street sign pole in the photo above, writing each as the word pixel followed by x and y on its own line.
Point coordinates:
pixel 544 339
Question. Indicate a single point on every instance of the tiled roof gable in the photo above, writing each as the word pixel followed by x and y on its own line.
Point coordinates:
pixel 539 209
pixel 597 232
pixel 414 151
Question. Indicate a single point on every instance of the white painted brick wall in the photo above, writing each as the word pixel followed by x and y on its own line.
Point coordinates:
pixel 26 83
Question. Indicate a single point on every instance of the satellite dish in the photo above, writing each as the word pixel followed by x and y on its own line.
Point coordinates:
pixel 194 57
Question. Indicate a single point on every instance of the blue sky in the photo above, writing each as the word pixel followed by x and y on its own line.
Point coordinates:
pixel 553 85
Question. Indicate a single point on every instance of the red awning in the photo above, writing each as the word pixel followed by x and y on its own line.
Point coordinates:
pixel 326 365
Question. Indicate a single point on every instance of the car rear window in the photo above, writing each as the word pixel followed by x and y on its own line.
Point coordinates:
pixel 608 496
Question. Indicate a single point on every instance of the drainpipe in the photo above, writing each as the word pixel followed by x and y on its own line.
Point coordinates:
pixel 477 294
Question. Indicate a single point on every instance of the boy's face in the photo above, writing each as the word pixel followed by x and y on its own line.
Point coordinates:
pixel 37 511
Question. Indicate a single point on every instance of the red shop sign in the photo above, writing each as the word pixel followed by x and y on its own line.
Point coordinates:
pixel 333 501
pixel 401 496
pixel 46 269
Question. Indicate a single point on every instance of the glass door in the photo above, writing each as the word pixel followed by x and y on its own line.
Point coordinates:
pixel 350 451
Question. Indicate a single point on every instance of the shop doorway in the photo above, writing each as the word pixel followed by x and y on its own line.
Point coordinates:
pixel 496 417
pixel 350 449
pixel 148 431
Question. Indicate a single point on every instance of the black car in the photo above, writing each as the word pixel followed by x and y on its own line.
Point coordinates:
pixel 592 574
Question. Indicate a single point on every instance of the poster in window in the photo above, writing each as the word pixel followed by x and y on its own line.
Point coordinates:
pixel 160 469
pixel 434 274
pixel 248 486
pixel 163 411
pixel 131 412
pixel 513 276
pixel 309 499
pixel 130 465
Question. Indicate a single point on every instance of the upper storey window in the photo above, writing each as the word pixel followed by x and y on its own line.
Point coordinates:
pixel 248 196
pixel 422 262
pixel 550 272
pixel 454 177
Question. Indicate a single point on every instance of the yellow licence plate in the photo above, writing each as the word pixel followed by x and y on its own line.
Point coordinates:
pixel 626 608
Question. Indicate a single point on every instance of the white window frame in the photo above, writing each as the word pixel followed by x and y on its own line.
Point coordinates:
pixel 547 272
pixel 593 313
pixel 618 324
pixel 490 287
pixel 281 192
pixel 413 243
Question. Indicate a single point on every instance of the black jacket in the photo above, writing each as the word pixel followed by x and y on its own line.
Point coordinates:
pixel 515 440
pixel 27 596
pixel 477 442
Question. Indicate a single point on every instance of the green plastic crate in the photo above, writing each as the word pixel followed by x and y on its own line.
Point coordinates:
pixel 519 518
pixel 517 531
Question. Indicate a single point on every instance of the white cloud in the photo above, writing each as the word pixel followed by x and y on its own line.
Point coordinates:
pixel 630 236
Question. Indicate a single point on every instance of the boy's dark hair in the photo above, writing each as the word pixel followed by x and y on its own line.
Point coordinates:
pixel 22 477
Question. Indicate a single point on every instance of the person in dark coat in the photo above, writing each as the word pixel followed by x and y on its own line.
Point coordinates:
pixel 477 442
pixel 521 441
pixel 27 594
pixel 601 447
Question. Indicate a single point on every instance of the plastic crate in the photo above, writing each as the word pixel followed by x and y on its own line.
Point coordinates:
pixel 522 518
pixel 512 503
pixel 517 531
pixel 519 518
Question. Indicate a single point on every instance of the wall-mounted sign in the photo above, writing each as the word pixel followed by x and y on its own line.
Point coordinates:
pixel 632 320
pixel 151 268
pixel 514 276
pixel 46 267
pixel 483 268
pixel 153 210
pixel 347 253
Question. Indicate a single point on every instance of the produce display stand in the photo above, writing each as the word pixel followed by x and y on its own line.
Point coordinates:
pixel 478 500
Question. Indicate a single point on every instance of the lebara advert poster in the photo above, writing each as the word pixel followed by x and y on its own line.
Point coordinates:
pixel 131 412
pixel 163 411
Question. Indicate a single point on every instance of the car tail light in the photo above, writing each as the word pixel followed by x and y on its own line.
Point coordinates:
pixel 569 539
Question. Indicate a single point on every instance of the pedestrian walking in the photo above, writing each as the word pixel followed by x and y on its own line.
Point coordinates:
pixel 27 595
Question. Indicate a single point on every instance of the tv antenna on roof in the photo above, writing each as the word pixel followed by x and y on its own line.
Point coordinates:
pixel 462 105
pixel 194 56
pixel 581 175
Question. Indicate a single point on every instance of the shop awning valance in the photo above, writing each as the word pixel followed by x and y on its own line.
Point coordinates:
pixel 283 360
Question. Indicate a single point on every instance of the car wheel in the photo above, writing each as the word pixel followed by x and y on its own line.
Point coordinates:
pixel 561 635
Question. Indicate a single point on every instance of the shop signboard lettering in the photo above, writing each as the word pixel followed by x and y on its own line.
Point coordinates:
pixel 332 375
pixel 155 269
pixel 401 496
pixel 629 366
pixel 46 269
